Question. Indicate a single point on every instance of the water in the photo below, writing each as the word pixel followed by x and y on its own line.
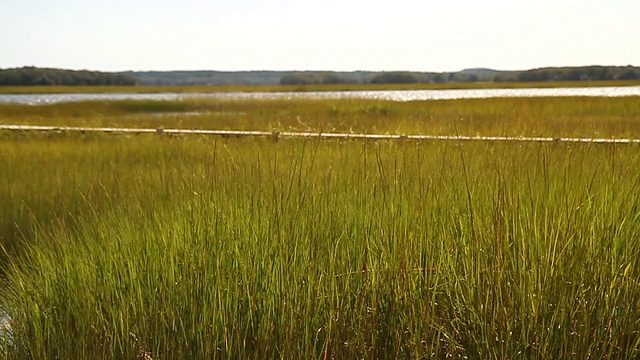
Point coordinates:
pixel 393 95
pixel 36 99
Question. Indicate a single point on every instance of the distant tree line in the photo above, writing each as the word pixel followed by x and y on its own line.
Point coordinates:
pixel 42 76
pixel 31 76
pixel 396 77
pixel 313 78
pixel 587 73
pixel 188 78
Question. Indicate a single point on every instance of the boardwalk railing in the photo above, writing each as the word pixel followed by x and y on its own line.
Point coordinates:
pixel 277 134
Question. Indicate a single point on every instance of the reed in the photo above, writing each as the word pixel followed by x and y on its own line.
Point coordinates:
pixel 305 88
pixel 188 247
pixel 529 117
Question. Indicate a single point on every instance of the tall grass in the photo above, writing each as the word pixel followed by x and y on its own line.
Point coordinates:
pixel 307 249
pixel 551 117
pixel 300 88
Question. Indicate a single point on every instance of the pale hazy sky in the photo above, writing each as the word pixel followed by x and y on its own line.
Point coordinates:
pixel 444 35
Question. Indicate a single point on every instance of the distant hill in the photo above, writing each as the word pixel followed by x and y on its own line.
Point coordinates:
pixel 365 77
pixel 43 76
pixel 479 71
pixel 243 77
pixel 206 77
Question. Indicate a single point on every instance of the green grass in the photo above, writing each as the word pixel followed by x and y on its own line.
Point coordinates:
pixel 192 247
pixel 553 117
pixel 305 88
pixel 195 247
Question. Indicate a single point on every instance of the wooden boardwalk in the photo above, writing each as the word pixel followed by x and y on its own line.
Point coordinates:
pixel 277 134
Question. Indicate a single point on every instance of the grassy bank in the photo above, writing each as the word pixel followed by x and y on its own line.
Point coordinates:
pixel 304 88
pixel 201 248
pixel 553 117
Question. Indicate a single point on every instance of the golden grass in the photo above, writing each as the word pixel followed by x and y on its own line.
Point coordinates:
pixel 593 117
pixel 305 88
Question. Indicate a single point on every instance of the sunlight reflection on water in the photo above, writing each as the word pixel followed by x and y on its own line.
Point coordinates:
pixel 393 95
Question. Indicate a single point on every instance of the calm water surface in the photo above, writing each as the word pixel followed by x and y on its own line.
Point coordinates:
pixel 394 95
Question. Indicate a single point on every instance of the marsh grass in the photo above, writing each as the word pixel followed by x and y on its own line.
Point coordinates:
pixel 201 248
pixel 529 117
pixel 305 88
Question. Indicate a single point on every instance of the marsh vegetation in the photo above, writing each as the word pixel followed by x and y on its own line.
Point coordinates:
pixel 134 246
